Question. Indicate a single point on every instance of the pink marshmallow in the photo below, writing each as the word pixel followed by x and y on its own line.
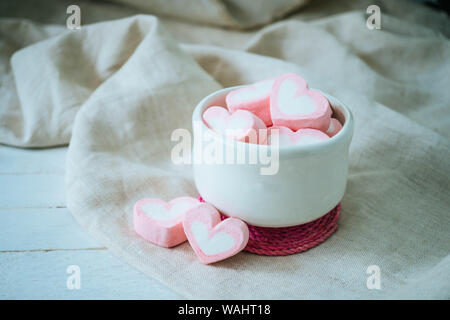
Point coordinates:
pixel 212 239
pixel 241 125
pixel 287 137
pixel 254 98
pixel 334 127
pixel 293 105
pixel 160 222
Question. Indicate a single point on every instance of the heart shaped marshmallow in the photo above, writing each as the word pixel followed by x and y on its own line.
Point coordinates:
pixel 254 98
pixel 212 239
pixel 241 125
pixel 334 127
pixel 160 222
pixel 293 105
pixel 287 137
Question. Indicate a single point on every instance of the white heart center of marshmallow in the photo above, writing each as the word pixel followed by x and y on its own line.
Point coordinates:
pixel 219 243
pixel 218 124
pixel 291 105
pixel 238 123
pixel 158 211
pixel 331 127
pixel 256 91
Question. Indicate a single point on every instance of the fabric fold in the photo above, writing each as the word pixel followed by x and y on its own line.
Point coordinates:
pixel 233 14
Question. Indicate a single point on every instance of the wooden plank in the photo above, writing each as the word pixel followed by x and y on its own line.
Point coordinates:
pixel 41 229
pixel 32 191
pixel 39 238
pixel 32 161
pixel 43 275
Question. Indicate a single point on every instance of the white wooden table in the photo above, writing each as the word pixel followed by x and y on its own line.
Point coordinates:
pixel 39 238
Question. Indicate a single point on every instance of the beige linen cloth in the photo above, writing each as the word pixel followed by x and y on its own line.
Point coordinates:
pixel 116 90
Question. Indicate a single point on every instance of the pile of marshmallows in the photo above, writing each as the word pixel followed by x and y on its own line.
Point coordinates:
pixel 283 105
pixel 168 224
pixel 302 116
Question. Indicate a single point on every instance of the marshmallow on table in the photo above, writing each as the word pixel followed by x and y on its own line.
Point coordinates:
pixel 160 222
pixel 212 239
pixel 254 98
pixel 334 127
pixel 293 105
pixel 287 137
pixel 241 125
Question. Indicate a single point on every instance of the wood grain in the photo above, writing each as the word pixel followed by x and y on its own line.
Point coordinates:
pixel 39 238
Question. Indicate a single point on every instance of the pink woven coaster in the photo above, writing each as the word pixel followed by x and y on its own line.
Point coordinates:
pixel 289 240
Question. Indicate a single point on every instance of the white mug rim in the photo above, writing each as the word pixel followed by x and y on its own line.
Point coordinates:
pixel 343 136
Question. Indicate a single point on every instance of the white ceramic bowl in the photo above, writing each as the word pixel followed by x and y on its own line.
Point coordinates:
pixel 311 179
